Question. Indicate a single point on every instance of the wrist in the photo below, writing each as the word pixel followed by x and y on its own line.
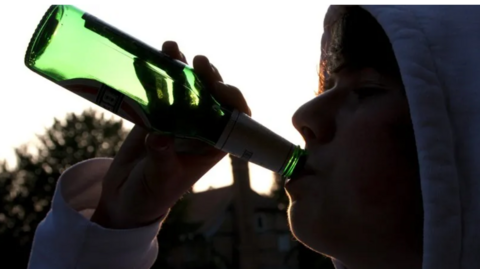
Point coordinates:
pixel 108 220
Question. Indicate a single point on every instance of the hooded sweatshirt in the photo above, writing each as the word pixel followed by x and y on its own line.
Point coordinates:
pixel 436 49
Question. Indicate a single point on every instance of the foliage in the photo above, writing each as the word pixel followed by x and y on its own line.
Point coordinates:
pixel 26 190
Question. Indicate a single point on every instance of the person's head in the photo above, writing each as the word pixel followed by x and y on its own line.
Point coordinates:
pixel 363 197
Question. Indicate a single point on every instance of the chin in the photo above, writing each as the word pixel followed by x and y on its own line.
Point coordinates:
pixel 306 226
pixel 301 222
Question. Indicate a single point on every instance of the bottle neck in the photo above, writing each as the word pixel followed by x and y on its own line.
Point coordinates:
pixel 249 140
pixel 296 163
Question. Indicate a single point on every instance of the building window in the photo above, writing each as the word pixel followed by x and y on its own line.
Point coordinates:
pixel 284 242
pixel 260 222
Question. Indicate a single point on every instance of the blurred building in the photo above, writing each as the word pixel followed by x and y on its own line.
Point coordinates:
pixel 239 228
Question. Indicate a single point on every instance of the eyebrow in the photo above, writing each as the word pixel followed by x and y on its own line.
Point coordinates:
pixel 339 68
pixel 328 80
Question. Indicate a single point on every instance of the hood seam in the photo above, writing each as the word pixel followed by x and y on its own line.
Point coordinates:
pixel 447 107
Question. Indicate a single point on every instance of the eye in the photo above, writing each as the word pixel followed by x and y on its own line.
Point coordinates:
pixel 363 93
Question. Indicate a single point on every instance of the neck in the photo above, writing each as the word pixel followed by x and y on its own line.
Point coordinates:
pixel 392 252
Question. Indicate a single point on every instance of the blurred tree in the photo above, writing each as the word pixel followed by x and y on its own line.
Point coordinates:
pixel 307 259
pixel 26 190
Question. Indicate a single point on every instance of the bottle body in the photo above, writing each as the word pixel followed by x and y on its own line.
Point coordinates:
pixel 133 80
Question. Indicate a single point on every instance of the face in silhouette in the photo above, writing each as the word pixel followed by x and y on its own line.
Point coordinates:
pixel 363 189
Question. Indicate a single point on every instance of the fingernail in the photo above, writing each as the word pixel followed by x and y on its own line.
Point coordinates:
pixel 158 142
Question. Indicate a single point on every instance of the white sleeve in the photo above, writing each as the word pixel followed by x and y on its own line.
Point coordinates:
pixel 66 238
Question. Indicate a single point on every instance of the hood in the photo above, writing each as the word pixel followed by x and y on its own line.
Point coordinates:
pixel 438 52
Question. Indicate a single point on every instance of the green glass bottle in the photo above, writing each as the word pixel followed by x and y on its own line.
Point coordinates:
pixel 137 82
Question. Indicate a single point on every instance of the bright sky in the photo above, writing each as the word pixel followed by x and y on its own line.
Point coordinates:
pixel 268 49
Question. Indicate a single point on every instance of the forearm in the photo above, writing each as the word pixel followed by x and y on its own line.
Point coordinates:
pixel 67 238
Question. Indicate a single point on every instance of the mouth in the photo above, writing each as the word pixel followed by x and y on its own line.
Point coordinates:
pixel 306 171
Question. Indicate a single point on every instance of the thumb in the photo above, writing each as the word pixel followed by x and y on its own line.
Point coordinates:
pixel 161 166
pixel 149 192
pixel 158 171
pixel 159 143
pixel 157 177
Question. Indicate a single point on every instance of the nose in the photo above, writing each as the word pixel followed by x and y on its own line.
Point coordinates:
pixel 315 120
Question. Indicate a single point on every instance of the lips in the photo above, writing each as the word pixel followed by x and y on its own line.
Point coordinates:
pixel 306 171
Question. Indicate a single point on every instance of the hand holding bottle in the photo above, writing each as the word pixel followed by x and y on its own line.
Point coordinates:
pixel 132 80
pixel 150 173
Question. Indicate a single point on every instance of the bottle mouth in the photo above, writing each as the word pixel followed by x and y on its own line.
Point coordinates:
pixel 43 34
pixel 296 163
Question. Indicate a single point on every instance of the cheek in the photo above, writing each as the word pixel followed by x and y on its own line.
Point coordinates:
pixel 380 168
pixel 370 176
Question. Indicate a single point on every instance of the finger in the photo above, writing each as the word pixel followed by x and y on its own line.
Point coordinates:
pixel 188 146
pixel 227 95
pixel 159 173
pixel 206 71
pixel 171 49
pixel 199 166
pixel 216 73
pixel 183 58
pixel 166 156
pixel 230 97
pixel 133 147
pixel 160 160
pixel 130 153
